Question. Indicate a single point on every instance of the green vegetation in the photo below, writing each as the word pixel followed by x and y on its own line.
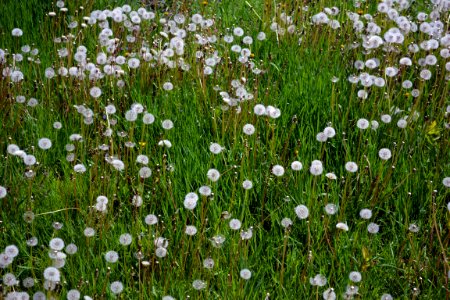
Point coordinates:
pixel 224 149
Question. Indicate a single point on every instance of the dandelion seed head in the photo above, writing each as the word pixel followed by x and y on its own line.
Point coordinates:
pixel 116 287
pixel 355 276
pixel 342 226
pixel 45 143
pixel 286 222
pixel 296 166
pixel 351 167
pixel 199 284
pixel 191 230
pixel 245 274
pixel 161 252
pixel 365 213
pixel 331 209
pixel 373 228
pixel 111 256
pixel 301 211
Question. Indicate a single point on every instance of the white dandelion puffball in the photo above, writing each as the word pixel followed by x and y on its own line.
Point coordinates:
pixel 190 230
pixel 247 184
pixel 373 228
pixel 116 287
pixel 329 132
pixel 316 167
pixel 365 213
pixel 245 274
pixel 95 92
pixel 44 143
pixel 351 167
pixel 215 148
pixel 52 274
pixel 355 276
pixel 296 166
pixel 151 219
pixel 362 124
pixel 199 284
pixel 278 170
pixel 111 256
pixel 385 153
pixel 161 252
pixel 17 32
pixel 248 129
pixel 342 226
pixel 3 192
pixel 56 244
pixel 213 175
pixel 446 182
pixel 301 211
pixel 331 209
pixel 235 224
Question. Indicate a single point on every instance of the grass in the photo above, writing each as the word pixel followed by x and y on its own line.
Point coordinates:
pixel 298 71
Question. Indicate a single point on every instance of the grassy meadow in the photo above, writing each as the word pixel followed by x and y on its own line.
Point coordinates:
pixel 231 149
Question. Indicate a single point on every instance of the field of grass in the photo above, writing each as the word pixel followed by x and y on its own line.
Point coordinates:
pixel 224 149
